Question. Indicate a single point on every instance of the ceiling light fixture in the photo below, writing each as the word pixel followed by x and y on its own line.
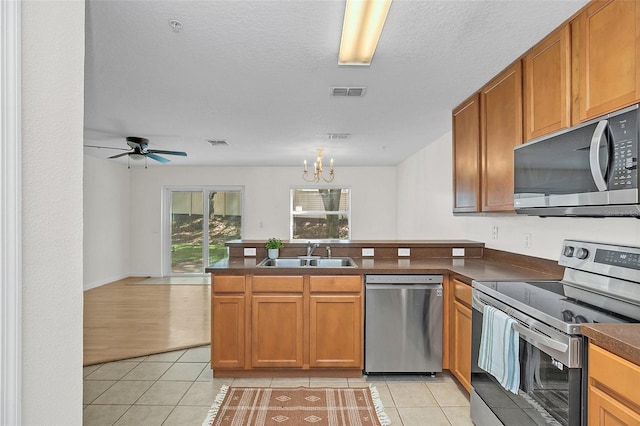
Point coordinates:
pixel 361 29
pixel 317 170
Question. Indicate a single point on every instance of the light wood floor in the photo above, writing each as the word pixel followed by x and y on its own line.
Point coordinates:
pixel 126 320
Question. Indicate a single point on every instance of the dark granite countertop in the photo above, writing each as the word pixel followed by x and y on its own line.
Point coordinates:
pixel 463 269
pixel 620 339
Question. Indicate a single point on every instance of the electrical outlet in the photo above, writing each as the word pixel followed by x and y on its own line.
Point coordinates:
pixel 527 240
pixel 249 251
pixel 457 252
pixel 368 252
pixel 404 252
pixel 494 233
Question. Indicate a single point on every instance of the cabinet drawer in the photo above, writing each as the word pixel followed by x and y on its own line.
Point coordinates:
pixel 277 284
pixel 228 284
pixel 615 373
pixel 462 292
pixel 336 284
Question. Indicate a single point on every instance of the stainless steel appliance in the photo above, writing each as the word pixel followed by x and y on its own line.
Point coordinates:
pixel 601 284
pixel 403 323
pixel 588 170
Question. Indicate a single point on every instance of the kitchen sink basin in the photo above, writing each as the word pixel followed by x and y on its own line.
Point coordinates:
pixel 309 262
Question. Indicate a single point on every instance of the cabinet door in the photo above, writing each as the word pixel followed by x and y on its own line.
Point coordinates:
pixel 227 331
pixel 607 35
pixel 336 331
pixel 461 344
pixel 466 156
pixel 501 124
pixel 613 389
pixel 277 330
pixel 604 410
pixel 547 85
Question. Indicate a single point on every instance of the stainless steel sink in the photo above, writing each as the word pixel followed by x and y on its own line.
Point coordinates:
pixel 309 262
pixel 334 262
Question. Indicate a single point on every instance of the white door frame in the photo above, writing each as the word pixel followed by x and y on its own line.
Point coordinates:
pixel 10 214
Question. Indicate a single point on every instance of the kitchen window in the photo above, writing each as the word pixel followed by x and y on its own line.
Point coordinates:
pixel 320 214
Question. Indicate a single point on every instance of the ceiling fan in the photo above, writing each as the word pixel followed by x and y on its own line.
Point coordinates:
pixel 140 149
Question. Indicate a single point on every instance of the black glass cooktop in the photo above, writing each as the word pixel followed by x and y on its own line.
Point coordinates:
pixel 547 301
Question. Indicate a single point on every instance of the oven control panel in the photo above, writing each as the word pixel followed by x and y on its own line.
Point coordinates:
pixel 606 259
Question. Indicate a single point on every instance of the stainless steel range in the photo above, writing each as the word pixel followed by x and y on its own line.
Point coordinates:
pixel 601 284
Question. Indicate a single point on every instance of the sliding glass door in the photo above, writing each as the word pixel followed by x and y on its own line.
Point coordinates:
pixel 200 221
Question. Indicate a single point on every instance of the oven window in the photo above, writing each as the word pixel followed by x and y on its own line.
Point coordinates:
pixel 549 392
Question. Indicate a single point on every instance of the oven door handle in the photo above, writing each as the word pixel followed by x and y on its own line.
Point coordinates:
pixel 541 338
pixel 527 332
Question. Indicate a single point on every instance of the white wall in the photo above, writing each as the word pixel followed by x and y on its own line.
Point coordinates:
pixel 106 222
pixel 425 200
pixel 52 115
pixel 266 211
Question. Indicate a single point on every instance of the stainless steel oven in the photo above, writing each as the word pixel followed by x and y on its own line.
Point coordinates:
pixel 601 284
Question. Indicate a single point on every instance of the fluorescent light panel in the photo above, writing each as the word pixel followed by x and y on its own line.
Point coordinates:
pixel 361 29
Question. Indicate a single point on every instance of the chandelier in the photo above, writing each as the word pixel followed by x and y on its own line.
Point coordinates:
pixel 317 170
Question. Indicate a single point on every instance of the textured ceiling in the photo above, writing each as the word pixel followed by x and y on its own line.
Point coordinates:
pixel 259 75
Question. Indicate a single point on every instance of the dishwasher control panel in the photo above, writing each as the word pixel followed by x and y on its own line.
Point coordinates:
pixel 403 279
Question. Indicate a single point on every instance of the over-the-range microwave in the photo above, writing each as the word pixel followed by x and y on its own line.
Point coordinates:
pixel 587 170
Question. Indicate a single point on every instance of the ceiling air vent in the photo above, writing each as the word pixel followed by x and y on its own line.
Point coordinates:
pixel 348 91
pixel 334 136
pixel 218 142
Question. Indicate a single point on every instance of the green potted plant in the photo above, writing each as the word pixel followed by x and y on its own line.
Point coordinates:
pixel 273 246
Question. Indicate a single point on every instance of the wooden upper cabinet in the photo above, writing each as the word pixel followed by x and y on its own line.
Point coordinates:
pixel 606 44
pixel 501 131
pixel 547 85
pixel 466 156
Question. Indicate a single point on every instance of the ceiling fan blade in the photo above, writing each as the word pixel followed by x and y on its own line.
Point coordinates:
pixel 104 147
pixel 157 157
pixel 159 151
pixel 119 155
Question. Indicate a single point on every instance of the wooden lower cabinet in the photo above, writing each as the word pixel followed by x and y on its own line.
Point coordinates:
pixel 335 331
pixel 227 331
pixel 613 398
pixel 228 317
pixel 277 330
pixel 460 333
pixel 287 325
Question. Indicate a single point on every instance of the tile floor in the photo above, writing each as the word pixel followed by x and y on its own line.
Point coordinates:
pixel 177 388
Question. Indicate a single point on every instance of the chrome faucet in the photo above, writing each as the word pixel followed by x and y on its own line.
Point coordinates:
pixel 311 248
pixel 329 251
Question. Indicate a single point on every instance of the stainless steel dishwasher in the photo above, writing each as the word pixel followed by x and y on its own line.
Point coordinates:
pixel 403 323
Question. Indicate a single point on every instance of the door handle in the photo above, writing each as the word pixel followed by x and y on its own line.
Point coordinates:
pixel 540 338
pixel 594 156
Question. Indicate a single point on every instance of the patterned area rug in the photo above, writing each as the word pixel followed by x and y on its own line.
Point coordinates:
pixel 297 407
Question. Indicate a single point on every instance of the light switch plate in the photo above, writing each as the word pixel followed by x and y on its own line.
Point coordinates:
pixel 367 252
pixel 249 251
pixel 404 252
pixel 458 252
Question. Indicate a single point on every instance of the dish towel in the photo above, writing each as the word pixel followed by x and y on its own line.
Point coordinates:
pixel 499 348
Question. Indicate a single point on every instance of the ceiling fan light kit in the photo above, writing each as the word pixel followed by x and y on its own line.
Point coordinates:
pixel 361 29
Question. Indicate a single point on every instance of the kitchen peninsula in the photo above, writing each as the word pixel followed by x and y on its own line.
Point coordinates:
pixel 308 321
